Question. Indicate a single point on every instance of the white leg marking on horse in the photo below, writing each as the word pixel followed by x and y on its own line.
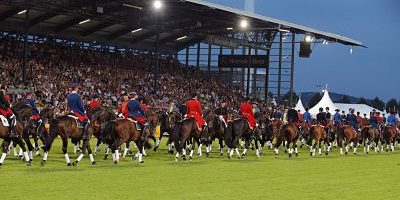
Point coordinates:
pixel 113 156
pixel 365 150
pixel 257 153
pixel 15 152
pixel 67 158
pixel 20 152
pixel 244 151
pixel 125 152
pixel 31 155
pixel 80 157
pixel 199 149
pixel 3 157
pixel 368 148
pixel 320 151
pixel 237 152
pixel 169 147
pixel 191 153
pixel 347 148
pixel 144 152
pixel 184 152
pixel 230 152
pixel 91 157
pixel 177 155
pixel 107 151
pixel 276 151
pixel 313 153
pixel 45 155
pixel 355 149
pixel 74 149
pixel 295 150
pixel 116 155
pixel 341 151
pixel 140 158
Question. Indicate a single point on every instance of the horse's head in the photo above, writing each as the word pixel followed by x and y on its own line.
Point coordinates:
pixel 23 112
pixel 173 119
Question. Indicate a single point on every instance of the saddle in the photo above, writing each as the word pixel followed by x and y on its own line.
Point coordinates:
pixel 137 124
pixel 78 123
pixel 4 121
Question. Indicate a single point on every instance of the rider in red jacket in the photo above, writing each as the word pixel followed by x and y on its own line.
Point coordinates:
pixel 194 111
pixel 247 112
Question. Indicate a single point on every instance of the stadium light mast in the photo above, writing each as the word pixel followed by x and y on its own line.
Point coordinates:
pixel 157 5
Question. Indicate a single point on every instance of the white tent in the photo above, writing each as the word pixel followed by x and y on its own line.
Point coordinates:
pixel 299 106
pixel 323 103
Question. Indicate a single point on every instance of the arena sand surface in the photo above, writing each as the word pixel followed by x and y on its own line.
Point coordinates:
pixel 375 176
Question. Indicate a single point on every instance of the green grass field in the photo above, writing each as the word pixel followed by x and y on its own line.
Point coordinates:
pixel 375 176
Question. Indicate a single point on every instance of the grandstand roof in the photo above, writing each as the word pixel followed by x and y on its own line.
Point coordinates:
pixel 133 24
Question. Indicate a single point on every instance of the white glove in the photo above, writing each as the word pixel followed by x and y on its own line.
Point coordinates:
pixel 120 115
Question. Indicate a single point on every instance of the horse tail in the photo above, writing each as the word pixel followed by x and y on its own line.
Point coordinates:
pixel 228 136
pixel 54 131
pixel 174 136
pixel 109 132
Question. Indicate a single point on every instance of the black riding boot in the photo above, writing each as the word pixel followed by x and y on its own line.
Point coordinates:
pixel 11 127
pixel 84 133
pixel 143 137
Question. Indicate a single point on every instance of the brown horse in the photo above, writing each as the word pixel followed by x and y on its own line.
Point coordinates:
pixel 288 133
pixel 42 130
pixel 317 133
pixel 264 133
pixel 67 127
pixel 389 137
pixel 369 134
pixel 125 131
pixel 347 135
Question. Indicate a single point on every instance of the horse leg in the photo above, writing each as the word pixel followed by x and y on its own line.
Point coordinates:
pixel 25 136
pixel 356 143
pixel 90 153
pixel 221 146
pixel 82 154
pixel 21 144
pixel 97 149
pixel 139 154
pixel 340 144
pixel 4 147
pixel 277 145
pixel 319 147
pixel 257 147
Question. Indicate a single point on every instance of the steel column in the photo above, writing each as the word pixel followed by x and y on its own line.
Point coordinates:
pixel 25 47
pixel 292 70
pixel 280 64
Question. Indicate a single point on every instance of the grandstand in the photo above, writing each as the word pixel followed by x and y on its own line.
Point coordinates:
pixel 192 31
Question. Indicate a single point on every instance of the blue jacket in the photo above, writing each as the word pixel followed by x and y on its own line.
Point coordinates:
pixel 31 102
pixel 75 104
pixel 337 118
pixel 352 119
pixel 392 120
pixel 134 109
pixel 374 121
pixel 307 117
pixel 384 120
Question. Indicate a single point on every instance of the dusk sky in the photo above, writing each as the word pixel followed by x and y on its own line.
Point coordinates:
pixel 368 72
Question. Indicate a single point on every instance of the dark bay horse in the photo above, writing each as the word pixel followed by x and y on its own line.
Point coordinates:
pixel 288 133
pixel 215 130
pixel 370 134
pixel 168 121
pixel 264 132
pixel 389 137
pixel 23 115
pixel 67 127
pixel 185 132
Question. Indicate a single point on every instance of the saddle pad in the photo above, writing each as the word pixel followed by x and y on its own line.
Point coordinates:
pixel 76 120
pixel 136 123
pixel 4 121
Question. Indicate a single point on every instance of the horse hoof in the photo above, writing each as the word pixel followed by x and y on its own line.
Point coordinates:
pixel 75 163
pixel 42 163
pixel 68 164
pixel 222 154
pixel 355 154
pixel 176 159
pixel 94 163
pixel 190 158
pixel 207 154
pixel 1 164
pixel 171 152
pixel 39 155
pixel 290 155
pixel 28 163
pixel 345 153
pixel 310 153
pixel 30 160
pixel 115 162
pixel 145 155
pixel 326 153
pixel 297 155
pixel 141 162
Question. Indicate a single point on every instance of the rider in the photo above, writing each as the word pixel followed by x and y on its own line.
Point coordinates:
pixel 122 110
pixel 327 113
pixel 374 121
pixel 6 111
pixel 30 101
pixel 321 117
pixel 307 117
pixel 247 112
pixel 76 106
pixel 352 120
pixel 337 118
pixel 293 117
pixel 143 104
pixel 136 113
pixel 194 110
pixel 392 120
pixel 222 112
pixel 95 103
pixel 383 118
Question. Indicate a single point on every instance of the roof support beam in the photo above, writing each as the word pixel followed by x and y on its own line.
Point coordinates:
pixel 120 33
pixel 41 18
pixel 9 13
pixel 190 42
pixel 96 28
pixel 67 24
pixel 144 36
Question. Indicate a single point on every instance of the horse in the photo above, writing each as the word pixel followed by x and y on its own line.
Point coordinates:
pixel 289 133
pixel 124 131
pixel 18 131
pixel 348 135
pixel 184 132
pixel 67 127
pixel 215 129
pixel 304 131
pixel 167 122
pixel 264 133
pixel 370 133
pixel 317 133
pixel 389 137
pixel 239 129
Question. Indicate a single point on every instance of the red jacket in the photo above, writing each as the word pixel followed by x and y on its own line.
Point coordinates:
pixel 144 107
pixel 94 104
pixel 123 108
pixel 247 112
pixel 194 111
